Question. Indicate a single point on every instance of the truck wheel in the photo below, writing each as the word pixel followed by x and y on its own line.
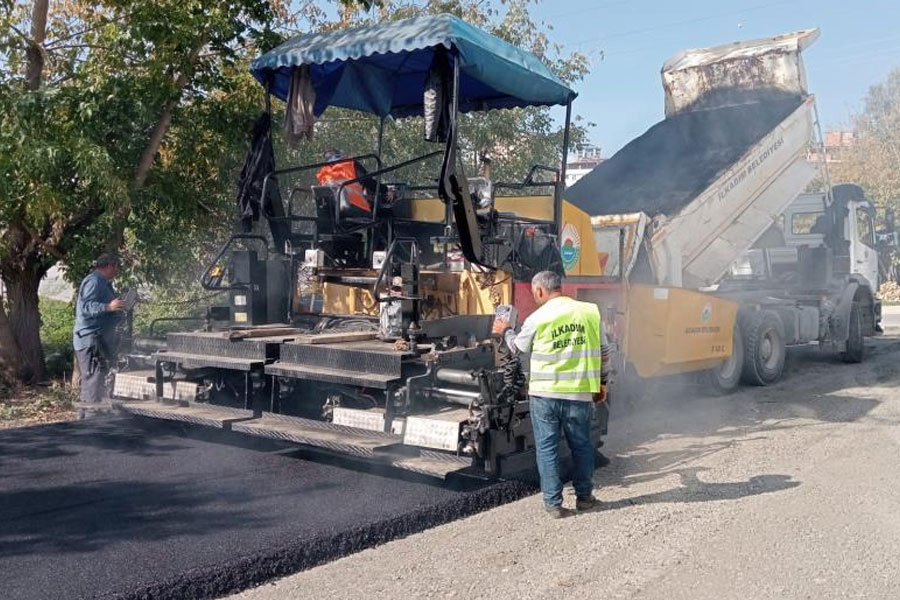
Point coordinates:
pixel 726 377
pixel 764 350
pixel 856 345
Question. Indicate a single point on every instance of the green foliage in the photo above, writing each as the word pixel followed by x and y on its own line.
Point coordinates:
pixel 168 302
pixel 77 140
pixel 873 160
pixel 57 323
pixel 113 69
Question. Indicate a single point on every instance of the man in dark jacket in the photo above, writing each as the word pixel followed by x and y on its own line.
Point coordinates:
pixel 97 310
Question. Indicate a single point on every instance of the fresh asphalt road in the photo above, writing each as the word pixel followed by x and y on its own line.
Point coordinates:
pixel 121 508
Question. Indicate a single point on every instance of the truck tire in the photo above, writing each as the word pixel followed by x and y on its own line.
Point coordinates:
pixel 764 348
pixel 856 345
pixel 630 387
pixel 725 378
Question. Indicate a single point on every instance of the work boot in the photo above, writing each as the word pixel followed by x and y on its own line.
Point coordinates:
pixel 558 512
pixel 600 460
pixel 587 503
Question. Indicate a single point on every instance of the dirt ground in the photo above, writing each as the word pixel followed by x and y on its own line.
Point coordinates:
pixel 789 491
pixel 37 406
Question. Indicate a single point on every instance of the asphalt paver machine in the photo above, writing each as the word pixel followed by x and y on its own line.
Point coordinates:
pixel 360 310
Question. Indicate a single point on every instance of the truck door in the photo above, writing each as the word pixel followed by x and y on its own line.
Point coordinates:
pixel 607 241
pixel 862 243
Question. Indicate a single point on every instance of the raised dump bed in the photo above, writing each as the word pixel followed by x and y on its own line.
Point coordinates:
pixel 716 173
pixel 672 163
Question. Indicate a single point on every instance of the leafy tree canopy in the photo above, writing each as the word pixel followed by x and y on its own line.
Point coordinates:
pixel 873 160
pixel 123 123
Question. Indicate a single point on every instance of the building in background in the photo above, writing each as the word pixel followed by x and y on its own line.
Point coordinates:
pixel 582 163
pixel 836 143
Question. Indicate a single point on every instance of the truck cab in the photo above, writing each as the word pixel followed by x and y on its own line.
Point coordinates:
pixel 804 224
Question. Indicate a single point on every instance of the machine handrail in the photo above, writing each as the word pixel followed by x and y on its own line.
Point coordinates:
pixel 529 179
pixel 378 173
pixel 170 319
pixel 309 167
pixel 205 279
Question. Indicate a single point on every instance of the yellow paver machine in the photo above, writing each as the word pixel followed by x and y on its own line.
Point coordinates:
pixel 359 316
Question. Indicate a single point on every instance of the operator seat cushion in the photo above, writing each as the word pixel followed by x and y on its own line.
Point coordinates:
pixel 325 197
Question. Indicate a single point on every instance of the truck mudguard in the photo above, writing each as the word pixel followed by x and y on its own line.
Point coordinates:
pixel 840 320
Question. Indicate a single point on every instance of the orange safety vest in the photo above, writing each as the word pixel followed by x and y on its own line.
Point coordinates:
pixel 337 172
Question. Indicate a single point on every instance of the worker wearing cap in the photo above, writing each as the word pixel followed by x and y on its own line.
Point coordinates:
pixel 97 309
pixel 566 378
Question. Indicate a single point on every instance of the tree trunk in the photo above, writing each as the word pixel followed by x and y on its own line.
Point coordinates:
pixel 10 363
pixel 148 157
pixel 25 321
pixel 140 178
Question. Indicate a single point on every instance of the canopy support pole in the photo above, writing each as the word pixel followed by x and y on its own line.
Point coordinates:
pixel 380 146
pixel 451 143
pixel 561 184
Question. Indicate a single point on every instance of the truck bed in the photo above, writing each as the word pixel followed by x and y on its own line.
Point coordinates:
pixel 667 167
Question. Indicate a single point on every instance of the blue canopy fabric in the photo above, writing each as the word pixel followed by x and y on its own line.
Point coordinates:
pixel 383 69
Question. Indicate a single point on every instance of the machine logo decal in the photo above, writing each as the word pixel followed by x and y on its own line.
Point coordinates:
pixel 570 246
pixel 706 314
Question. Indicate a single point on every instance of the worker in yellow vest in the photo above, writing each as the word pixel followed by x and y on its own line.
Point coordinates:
pixel 566 378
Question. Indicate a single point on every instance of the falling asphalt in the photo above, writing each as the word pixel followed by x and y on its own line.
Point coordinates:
pixel 120 508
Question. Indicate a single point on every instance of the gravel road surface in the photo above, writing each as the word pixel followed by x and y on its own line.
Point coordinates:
pixel 790 491
pixel 117 508
pixel 890 319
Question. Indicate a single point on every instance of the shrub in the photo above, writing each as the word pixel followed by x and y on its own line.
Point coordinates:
pixel 57 322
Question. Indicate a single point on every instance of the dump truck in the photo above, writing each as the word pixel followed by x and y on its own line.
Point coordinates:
pixel 713 198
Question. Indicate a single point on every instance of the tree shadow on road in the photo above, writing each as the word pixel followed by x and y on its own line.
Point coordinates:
pixel 86 517
pixel 59 440
pixel 693 489
pixel 641 465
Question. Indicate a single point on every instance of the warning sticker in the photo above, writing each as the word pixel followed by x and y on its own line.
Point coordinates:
pixel 570 246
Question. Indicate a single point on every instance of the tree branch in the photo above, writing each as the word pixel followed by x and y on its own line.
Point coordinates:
pixel 55 43
pixel 35 51
pixel 156 138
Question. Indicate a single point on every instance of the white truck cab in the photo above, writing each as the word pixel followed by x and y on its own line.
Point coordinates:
pixel 804 223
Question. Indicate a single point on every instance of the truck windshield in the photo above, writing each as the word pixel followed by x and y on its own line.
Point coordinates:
pixel 803 223
pixel 864 227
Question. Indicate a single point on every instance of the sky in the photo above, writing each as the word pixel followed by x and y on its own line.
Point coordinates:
pixel 628 41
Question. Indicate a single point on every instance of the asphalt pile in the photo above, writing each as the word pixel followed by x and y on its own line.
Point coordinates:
pixel 664 169
pixel 118 508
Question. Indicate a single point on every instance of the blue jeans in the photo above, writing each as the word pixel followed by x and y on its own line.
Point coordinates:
pixel 549 417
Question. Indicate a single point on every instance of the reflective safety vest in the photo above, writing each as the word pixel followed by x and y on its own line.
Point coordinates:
pixel 565 352
pixel 338 172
